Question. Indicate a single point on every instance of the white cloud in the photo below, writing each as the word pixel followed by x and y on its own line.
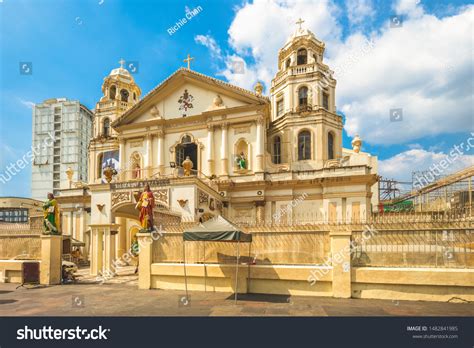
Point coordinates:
pixel 261 28
pixel 27 103
pixel 359 10
pixel 411 8
pixel 423 67
pixel 401 166
pixel 211 44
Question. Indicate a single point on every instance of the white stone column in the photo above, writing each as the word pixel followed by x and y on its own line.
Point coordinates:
pixel 109 249
pixel 72 221
pixel 91 169
pixel 210 150
pixel 260 144
pixel 122 160
pixel 148 172
pixel 224 151
pixel 161 153
pixel 122 236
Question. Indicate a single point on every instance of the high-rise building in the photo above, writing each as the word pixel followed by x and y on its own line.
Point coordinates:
pixel 62 130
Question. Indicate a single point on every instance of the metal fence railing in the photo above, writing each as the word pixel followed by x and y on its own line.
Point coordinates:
pixel 267 248
pixel 453 248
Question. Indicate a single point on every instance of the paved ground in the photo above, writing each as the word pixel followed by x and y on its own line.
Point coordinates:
pixel 121 297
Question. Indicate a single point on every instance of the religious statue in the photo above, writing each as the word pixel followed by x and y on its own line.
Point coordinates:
pixel 51 222
pixel 187 166
pixel 241 161
pixel 145 205
pixel 136 171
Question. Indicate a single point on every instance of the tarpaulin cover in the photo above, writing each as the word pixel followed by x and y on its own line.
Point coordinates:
pixel 218 229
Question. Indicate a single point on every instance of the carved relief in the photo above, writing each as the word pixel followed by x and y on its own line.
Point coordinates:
pixel 161 196
pixel 136 143
pixel 241 130
pixel 121 197
pixel 211 204
pixel 185 102
pixel 203 197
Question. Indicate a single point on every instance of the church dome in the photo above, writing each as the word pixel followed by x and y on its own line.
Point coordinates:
pixel 120 71
pixel 301 32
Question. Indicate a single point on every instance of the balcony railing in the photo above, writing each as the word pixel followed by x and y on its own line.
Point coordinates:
pixel 294 70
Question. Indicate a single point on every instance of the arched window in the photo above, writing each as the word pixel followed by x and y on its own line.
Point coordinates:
pixel 304 145
pixel 302 56
pixel 134 96
pixel 288 63
pixel 303 96
pixel 186 139
pixel 106 129
pixel 124 95
pixel 330 145
pixel 277 150
pixel 112 92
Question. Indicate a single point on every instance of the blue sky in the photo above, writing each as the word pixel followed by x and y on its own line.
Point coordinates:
pixel 73 45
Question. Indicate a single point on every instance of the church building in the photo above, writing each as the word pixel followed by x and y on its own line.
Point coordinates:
pixel 209 148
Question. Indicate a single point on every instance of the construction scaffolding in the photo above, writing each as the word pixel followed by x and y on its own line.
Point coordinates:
pixel 437 193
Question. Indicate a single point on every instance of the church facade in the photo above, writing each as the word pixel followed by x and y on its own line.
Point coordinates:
pixel 209 148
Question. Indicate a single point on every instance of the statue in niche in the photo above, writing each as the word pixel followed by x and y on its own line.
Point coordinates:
pixel 136 171
pixel 241 161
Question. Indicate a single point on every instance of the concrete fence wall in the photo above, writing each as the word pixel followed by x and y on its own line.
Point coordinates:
pixel 26 246
pixel 346 261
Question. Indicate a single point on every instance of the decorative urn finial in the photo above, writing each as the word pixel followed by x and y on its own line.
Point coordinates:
pixel 217 101
pixel 258 88
pixel 356 143
pixel 109 172
pixel 69 173
pixel 187 166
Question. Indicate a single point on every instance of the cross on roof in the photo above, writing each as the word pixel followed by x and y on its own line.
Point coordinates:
pixel 299 22
pixel 121 62
pixel 188 60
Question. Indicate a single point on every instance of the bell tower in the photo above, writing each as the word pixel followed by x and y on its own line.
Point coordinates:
pixel 305 132
pixel 120 92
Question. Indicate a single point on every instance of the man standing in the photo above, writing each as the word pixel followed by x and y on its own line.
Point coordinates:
pixel 51 222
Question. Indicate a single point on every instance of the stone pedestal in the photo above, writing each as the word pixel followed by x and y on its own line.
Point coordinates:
pixel 51 257
pixel 145 242
pixel 341 262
